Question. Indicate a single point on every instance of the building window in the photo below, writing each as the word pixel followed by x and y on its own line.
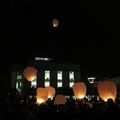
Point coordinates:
pixel 59 84
pixel 47 74
pixel 19 77
pixel 47 83
pixel 71 79
pixel 59 75
pixel 71 84
pixel 59 78
pixel 47 78
pixel 34 84
pixel 19 82
pixel 18 86
pixel 71 75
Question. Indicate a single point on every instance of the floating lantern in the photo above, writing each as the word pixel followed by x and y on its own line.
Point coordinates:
pixel 51 91
pixel 79 90
pixel 42 95
pixel 55 22
pixel 30 74
pixel 60 99
pixel 107 90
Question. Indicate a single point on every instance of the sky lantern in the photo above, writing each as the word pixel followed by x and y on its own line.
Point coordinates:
pixel 55 22
pixel 51 91
pixel 107 90
pixel 42 95
pixel 59 99
pixel 41 91
pixel 79 90
pixel 40 100
pixel 30 74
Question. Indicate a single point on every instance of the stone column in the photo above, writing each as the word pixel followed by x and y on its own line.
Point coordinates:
pixel 65 80
pixel 25 87
pixel 40 78
pixel 77 76
pixel 13 79
pixel 53 78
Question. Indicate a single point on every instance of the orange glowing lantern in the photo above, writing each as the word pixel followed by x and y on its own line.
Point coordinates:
pixel 107 90
pixel 79 90
pixel 30 73
pixel 40 100
pixel 42 95
pixel 60 99
pixel 55 22
pixel 51 91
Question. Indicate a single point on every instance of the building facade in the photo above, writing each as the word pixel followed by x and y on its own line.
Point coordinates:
pixel 59 75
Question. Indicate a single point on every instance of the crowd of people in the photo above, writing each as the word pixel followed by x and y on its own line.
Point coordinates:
pixel 17 108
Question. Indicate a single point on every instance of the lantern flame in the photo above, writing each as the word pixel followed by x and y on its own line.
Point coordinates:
pixel 40 101
pixel 81 96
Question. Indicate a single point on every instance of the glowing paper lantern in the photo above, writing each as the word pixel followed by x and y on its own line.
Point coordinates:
pixel 42 95
pixel 51 91
pixel 42 92
pixel 79 90
pixel 60 99
pixel 55 22
pixel 40 100
pixel 107 90
pixel 30 73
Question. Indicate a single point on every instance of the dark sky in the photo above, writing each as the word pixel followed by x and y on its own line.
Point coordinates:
pixel 88 34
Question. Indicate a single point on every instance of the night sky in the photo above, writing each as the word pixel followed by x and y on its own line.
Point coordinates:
pixel 88 34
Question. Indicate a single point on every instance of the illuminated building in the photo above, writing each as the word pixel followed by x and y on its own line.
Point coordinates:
pixel 49 73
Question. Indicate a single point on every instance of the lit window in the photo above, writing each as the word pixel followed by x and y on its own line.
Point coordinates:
pixel 19 77
pixel 59 75
pixel 18 85
pixel 47 83
pixel 71 75
pixel 67 97
pixel 42 59
pixel 71 78
pixel 71 83
pixel 47 78
pixel 34 84
pixel 47 75
pixel 59 84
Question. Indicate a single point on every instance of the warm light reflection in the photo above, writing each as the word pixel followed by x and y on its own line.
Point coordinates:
pixel 49 96
pixel 33 78
pixel 40 101
pixel 81 96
